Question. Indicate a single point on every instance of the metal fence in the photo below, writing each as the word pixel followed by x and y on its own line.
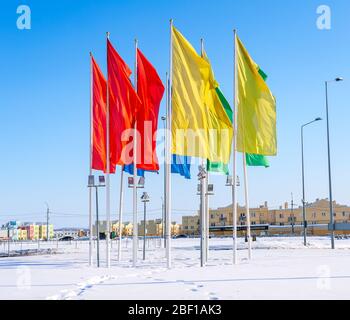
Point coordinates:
pixel 10 248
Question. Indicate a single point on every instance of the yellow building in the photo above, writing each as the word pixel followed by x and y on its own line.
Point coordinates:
pixel 36 232
pixel 115 228
pixel 175 228
pixel 128 229
pixel 222 217
pixel 154 228
pixel 22 235
pixel 190 225
pixel 43 232
pixel 285 220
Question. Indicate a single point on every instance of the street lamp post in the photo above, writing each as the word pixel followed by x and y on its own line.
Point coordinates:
pixel 144 198
pixel 139 183
pixel 101 184
pixel 303 175
pixel 331 213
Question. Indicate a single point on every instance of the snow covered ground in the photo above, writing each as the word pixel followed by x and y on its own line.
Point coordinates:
pixel 281 269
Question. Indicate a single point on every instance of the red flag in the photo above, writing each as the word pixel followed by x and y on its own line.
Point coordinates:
pixel 123 105
pixel 99 93
pixel 150 89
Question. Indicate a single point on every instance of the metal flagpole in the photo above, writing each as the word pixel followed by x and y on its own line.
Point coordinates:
pixel 90 169
pixel 247 206
pixel 108 185
pixel 234 160
pixel 202 179
pixel 135 225
pixel 121 204
pixel 206 197
pixel 207 218
pixel 168 157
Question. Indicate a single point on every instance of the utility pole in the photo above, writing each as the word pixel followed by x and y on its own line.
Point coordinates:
pixel 292 214
pixel 47 221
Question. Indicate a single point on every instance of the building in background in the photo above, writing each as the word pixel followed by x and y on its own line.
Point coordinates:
pixel 32 230
pixel 70 232
pixel 17 231
pixel 153 228
pixel 190 225
pixel 43 231
pixel 285 220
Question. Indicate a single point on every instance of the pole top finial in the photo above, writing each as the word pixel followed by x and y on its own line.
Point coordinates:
pixel 90 53
pixel 108 34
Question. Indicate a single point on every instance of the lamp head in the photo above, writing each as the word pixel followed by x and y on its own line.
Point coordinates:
pixel 145 197
pixel 91 181
pixel 339 79
pixel 318 119
pixel 101 180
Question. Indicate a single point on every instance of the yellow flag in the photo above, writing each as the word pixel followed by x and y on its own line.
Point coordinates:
pixel 198 129
pixel 256 127
pixel 220 146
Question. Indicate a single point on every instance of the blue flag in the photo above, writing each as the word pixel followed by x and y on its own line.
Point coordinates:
pixel 130 169
pixel 181 165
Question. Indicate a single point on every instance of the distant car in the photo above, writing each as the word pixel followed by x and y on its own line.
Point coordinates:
pixel 84 238
pixel 181 236
pixel 67 238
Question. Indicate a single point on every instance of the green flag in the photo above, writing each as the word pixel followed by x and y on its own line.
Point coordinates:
pixel 256 160
pixel 219 167
pixel 253 160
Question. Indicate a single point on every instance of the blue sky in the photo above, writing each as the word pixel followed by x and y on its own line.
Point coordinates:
pixel 44 112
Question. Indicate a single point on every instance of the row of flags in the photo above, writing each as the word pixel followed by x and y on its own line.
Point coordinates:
pixel 124 117
pixel 197 104
pixel 127 109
